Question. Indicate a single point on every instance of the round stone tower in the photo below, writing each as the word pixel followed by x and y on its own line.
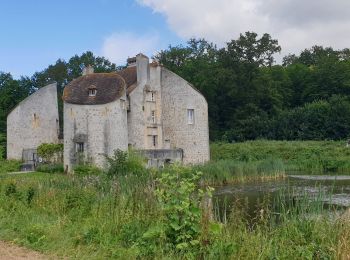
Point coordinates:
pixel 95 119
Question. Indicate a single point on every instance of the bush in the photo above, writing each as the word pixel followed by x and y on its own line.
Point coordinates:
pixel 9 166
pixel 2 146
pixel 180 200
pixel 50 152
pixel 50 168
pixel 86 169
pixel 122 163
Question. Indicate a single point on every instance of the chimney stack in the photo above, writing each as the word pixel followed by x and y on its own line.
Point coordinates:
pixel 88 70
pixel 142 68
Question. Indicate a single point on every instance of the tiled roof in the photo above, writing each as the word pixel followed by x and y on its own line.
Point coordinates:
pixel 109 87
pixel 130 76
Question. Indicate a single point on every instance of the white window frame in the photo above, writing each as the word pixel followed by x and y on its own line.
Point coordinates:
pixel 92 92
pixel 190 116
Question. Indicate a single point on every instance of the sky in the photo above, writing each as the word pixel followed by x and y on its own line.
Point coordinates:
pixel 35 33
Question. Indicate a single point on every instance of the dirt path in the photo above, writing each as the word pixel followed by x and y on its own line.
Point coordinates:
pixel 12 252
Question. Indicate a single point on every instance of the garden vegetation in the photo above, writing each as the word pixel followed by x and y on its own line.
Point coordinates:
pixel 156 215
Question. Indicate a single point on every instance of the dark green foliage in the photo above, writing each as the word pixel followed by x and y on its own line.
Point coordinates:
pixel 249 97
pixel 180 202
pixel 87 169
pixel 50 168
pixel 10 189
pixel 30 195
pixel 122 163
pixel 7 166
pixel 50 152
pixel 2 146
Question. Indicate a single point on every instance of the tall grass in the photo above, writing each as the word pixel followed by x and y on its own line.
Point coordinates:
pixel 291 227
pixel 233 171
pixel 312 156
pixel 80 216
pixel 7 166
pixel 93 217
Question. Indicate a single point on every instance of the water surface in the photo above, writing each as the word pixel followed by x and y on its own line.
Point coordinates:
pixel 331 191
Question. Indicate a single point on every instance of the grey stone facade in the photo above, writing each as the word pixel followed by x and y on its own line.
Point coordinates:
pixel 101 129
pixel 158 116
pixel 178 98
pixel 145 106
pixel 34 121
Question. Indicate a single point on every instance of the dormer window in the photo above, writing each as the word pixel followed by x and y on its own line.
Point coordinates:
pixel 92 91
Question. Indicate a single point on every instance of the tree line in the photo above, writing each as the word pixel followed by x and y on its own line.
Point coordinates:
pixel 306 97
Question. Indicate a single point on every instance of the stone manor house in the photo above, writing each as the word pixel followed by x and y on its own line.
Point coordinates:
pixel 144 106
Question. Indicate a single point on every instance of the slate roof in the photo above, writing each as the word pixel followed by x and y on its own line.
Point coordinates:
pixel 109 87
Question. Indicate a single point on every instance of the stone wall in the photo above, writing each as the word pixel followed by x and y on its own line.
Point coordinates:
pixel 144 99
pixel 102 129
pixel 160 157
pixel 177 97
pixel 34 121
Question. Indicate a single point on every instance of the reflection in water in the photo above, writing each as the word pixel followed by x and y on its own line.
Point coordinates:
pixel 333 191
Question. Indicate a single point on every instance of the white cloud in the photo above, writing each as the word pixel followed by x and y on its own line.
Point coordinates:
pixel 297 24
pixel 117 47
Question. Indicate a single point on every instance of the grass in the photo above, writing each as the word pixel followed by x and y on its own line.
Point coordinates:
pixel 9 166
pixel 93 217
pixel 86 217
pixel 311 156
pixel 230 171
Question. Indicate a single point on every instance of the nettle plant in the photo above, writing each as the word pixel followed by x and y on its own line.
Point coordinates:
pixel 180 199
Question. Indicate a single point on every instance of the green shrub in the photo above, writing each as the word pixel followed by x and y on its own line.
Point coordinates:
pixel 2 146
pixel 50 168
pixel 180 200
pixel 9 166
pixel 87 169
pixel 122 163
pixel 50 152
pixel 30 195
pixel 10 189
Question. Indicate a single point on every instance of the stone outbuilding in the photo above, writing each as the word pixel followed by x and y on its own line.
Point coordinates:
pixel 32 122
pixel 145 106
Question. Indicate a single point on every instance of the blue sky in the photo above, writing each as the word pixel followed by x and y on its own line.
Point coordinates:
pixel 36 33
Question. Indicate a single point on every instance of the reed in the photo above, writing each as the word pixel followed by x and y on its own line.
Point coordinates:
pixel 311 156
pixel 93 217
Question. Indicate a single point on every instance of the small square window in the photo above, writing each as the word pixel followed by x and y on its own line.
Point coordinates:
pixel 79 147
pixel 151 96
pixel 92 92
pixel 190 116
pixel 153 115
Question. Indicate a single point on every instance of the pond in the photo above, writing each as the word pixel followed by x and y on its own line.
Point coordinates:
pixel 328 191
